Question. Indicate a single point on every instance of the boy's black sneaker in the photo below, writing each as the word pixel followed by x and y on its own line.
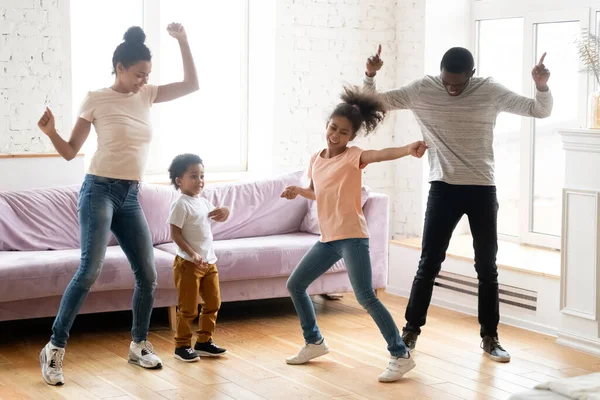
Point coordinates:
pixel 186 354
pixel 209 349
pixel 410 339
pixel 491 346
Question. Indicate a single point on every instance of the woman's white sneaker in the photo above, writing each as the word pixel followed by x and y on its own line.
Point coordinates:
pixel 397 367
pixel 143 354
pixel 308 352
pixel 51 360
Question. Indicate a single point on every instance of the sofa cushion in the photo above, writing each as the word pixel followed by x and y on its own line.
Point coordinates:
pixel 156 202
pixel 42 219
pixel 256 208
pixel 37 274
pixel 260 257
pixel 46 219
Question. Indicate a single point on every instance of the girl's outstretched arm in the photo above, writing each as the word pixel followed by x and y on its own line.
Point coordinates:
pixel 291 192
pixel 416 149
pixel 189 84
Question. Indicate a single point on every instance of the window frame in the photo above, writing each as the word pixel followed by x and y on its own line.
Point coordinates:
pixel 504 9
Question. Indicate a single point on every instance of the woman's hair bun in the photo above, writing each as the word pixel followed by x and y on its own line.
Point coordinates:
pixel 135 34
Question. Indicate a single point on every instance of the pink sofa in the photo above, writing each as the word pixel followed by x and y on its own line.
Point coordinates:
pixel 258 247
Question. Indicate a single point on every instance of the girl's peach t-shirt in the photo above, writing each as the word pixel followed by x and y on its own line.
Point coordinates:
pixel 337 183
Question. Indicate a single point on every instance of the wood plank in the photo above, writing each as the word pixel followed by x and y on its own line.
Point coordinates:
pixel 259 336
pixel 460 391
pixel 539 377
pixel 237 392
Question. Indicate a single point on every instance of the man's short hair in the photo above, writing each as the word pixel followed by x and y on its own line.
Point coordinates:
pixel 458 60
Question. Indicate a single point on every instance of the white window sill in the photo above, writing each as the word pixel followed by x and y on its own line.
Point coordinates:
pixel 210 177
pixel 511 255
pixel 213 177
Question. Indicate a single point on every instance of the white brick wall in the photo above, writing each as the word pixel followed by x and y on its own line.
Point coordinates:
pixel 31 70
pixel 408 204
pixel 324 44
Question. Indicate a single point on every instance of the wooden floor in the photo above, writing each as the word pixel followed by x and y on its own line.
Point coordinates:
pixel 259 335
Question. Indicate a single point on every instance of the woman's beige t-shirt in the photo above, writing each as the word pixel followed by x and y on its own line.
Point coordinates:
pixel 338 183
pixel 122 123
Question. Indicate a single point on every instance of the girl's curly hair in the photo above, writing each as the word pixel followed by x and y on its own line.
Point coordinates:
pixel 363 109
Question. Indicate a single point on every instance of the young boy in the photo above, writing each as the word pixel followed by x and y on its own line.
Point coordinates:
pixel 194 267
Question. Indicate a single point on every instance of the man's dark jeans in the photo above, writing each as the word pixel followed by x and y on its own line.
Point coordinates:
pixel 446 205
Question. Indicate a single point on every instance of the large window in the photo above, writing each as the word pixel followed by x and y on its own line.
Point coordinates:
pixel 528 152
pixel 548 156
pixel 93 42
pixel 500 49
pixel 212 122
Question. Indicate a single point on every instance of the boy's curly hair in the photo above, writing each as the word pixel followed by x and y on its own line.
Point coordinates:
pixel 180 164
pixel 363 109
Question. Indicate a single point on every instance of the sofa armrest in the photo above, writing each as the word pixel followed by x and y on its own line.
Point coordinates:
pixel 377 213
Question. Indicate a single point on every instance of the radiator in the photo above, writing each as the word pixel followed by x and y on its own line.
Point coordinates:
pixel 514 296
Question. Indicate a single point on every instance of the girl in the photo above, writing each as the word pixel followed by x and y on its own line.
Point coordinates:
pixel 108 199
pixel 335 183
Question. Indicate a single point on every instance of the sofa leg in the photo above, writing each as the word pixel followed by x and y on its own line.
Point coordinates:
pixel 173 317
pixel 332 296
pixel 379 292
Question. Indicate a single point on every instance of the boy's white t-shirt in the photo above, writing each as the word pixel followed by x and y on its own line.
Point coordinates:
pixel 124 130
pixel 191 215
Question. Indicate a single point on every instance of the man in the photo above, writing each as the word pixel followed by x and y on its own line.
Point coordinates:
pixel 457 112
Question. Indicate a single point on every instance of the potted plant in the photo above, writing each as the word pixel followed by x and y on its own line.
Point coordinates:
pixel 588 46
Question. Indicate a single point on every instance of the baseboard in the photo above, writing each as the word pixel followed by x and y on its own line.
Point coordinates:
pixel 507 320
pixel 586 345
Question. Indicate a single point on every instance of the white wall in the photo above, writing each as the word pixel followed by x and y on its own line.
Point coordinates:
pixel 321 46
pixel 33 75
pixel 407 205
pixel 39 172
pixel 447 24
pixel 318 45
pixel 32 72
pixel 546 319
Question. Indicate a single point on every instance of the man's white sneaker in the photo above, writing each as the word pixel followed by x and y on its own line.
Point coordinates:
pixel 51 360
pixel 143 354
pixel 308 352
pixel 396 369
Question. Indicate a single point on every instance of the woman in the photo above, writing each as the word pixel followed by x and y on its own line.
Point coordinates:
pixel 108 200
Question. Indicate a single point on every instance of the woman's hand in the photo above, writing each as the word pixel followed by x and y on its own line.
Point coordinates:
pixel 177 31
pixel 46 123
pixel 175 90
